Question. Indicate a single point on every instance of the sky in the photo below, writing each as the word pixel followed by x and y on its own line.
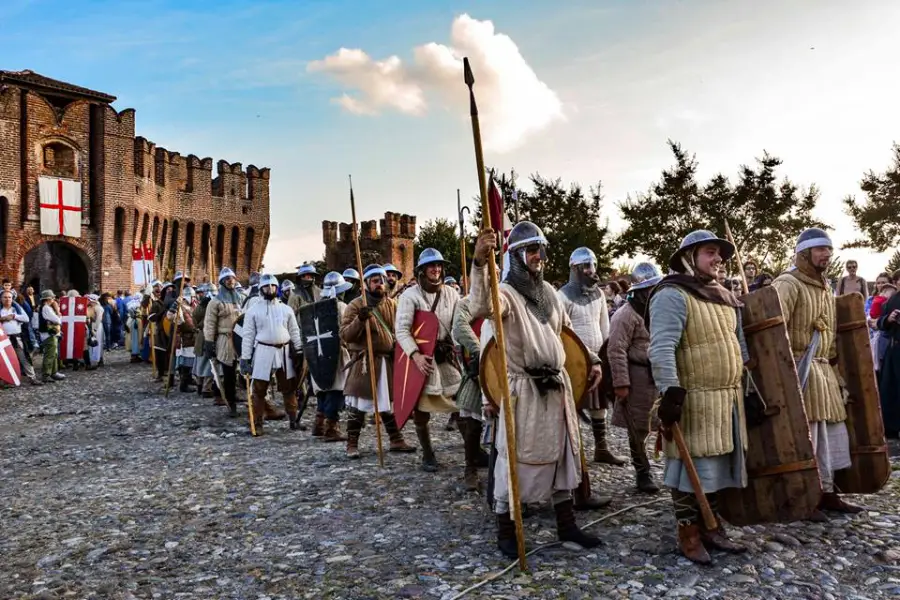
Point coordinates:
pixel 585 90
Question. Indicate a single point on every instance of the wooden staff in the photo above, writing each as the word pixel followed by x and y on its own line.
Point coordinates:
pixel 369 347
pixel 709 519
pixel 250 407
pixel 737 256
pixel 511 455
pixel 464 279
pixel 171 374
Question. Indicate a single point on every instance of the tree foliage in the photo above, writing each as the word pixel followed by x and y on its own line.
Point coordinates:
pixel 569 218
pixel 443 236
pixel 765 216
pixel 893 263
pixel 876 217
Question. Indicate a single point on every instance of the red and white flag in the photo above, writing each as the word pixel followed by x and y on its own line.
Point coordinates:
pixel 142 265
pixel 60 206
pixel 9 362
pixel 498 212
pixel 73 312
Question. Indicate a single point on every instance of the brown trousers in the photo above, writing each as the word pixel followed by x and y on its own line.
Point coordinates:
pixel 288 389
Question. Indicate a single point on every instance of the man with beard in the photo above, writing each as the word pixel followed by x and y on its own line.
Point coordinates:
pixel 218 324
pixel 548 441
pixel 394 275
pixel 351 276
pixel 159 339
pixel 287 288
pixel 697 352
pixel 270 332
pixel 631 376
pixel 809 315
pixel 443 377
pixel 585 303
pixel 307 291
pixel 380 311
pixel 184 351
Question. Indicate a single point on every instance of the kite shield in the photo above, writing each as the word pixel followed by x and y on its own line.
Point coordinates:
pixel 408 380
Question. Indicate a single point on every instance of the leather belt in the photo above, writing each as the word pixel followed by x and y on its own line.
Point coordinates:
pixel 272 345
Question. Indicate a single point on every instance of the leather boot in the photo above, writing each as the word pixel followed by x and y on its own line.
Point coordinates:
pixel 470 450
pixel 831 501
pixel 333 432
pixel 482 459
pixel 585 499
pixel 566 528
pixel 356 420
pixel 718 539
pixel 185 385
pixel 294 422
pixel 507 541
pixel 645 482
pixel 272 412
pixel 638 450
pixel 429 462
pixel 451 422
pixel 398 444
pixel 602 453
pixel 318 429
pixel 690 545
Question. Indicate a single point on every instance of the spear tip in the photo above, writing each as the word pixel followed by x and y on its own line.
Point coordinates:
pixel 467 69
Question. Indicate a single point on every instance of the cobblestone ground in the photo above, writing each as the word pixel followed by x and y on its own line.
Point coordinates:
pixel 109 490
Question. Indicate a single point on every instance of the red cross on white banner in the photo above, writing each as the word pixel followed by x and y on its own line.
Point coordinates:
pixel 60 206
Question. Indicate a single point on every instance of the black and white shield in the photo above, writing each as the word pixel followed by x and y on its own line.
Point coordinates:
pixel 321 343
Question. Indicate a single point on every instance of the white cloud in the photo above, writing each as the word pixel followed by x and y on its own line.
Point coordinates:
pixel 284 253
pixel 513 103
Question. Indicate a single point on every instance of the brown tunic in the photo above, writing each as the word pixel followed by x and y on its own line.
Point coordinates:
pixel 353 334
pixel 629 341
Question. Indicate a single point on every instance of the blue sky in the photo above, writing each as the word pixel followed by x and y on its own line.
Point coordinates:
pixel 607 83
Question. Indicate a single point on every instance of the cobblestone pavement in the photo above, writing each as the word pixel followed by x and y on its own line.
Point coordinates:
pixel 109 490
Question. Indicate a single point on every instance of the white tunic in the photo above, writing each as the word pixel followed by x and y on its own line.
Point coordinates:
pixel 343 358
pixel 270 322
pixel 590 322
pixel 445 379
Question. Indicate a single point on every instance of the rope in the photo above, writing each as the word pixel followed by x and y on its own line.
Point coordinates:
pixel 495 576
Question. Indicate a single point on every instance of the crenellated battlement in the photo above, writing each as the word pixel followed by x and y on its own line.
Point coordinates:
pixel 389 239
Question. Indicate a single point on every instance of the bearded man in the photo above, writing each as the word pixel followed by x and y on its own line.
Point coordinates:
pixel 443 376
pixel 585 303
pixel 394 275
pixel 218 325
pixel 630 373
pixel 548 441
pixel 380 312
pixel 307 291
pixel 809 314
pixel 697 352
pixel 270 333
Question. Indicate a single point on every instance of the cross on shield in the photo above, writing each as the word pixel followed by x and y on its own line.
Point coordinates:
pixel 9 362
pixel 73 312
pixel 319 326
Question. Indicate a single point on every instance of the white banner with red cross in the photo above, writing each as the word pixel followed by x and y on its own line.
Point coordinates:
pixel 60 206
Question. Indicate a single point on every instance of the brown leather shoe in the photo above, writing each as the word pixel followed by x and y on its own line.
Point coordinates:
pixel 400 445
pixel 319 426
pixel 831 501
pixel 690 545
pixel 273 413
pixel 718 539
pixel 352 448
pixel 333 432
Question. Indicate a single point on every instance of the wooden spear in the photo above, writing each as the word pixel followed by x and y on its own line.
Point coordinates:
pixel 171 374
pixel 737 256
pixel 369 347
pixel 464 279
pixel 509 421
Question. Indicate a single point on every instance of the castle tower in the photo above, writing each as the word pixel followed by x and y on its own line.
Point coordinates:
pixel 390 242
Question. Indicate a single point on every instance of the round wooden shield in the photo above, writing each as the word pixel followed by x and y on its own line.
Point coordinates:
pixel 578 366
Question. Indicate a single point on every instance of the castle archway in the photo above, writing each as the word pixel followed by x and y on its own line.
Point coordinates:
pixel 57 266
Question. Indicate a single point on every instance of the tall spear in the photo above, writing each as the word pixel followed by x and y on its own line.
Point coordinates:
pixel 464 279
pixel 369 348
pixel 171 374
pixel 737 255
pixel 509 422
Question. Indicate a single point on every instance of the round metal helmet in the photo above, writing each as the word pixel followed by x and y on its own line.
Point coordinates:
pixel 449 280
pixel 389 268
pixel 202 288
pixel 267 279
pixel 351 274
pixel 213 289
pixel 372 270
pixel 813 238
pixel 429 256
pixel 698 238
pixel 524 234
pixel 306 269
pixel 254 278
pixel 582 256
pixel 226 272
pixel 188 293
pixel 287 284
pixel 645 275
pixel 179 275
pixel 334 284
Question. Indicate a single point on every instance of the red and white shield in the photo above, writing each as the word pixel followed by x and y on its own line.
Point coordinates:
pixel 73 312
pixel 9 362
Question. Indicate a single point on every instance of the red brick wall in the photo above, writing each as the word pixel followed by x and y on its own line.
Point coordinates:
pixel 120 171
pixel 392 244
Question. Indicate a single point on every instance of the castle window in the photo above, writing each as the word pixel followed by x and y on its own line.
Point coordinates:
pixel 220 246
pixel 245 210
pixel 235 243
pixel 248 249
pixel 4 224
pixel 119 232
pixel 59 161
pixel 189 245
pixel 206 257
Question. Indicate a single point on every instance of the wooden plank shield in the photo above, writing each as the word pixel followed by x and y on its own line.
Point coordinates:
pixel 783 479
pixel 871 464
pixel 578 366
pixel 408 380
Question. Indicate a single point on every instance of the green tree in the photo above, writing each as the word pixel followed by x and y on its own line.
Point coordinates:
pixel 893 263
pixel 568 217
pixel 765 216
pixel 876 217
pixel 443 236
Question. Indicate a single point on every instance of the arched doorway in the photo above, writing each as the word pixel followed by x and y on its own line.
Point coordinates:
pixel 57 266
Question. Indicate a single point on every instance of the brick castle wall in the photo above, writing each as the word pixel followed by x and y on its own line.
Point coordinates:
pixel 390 242
pixel 132 192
